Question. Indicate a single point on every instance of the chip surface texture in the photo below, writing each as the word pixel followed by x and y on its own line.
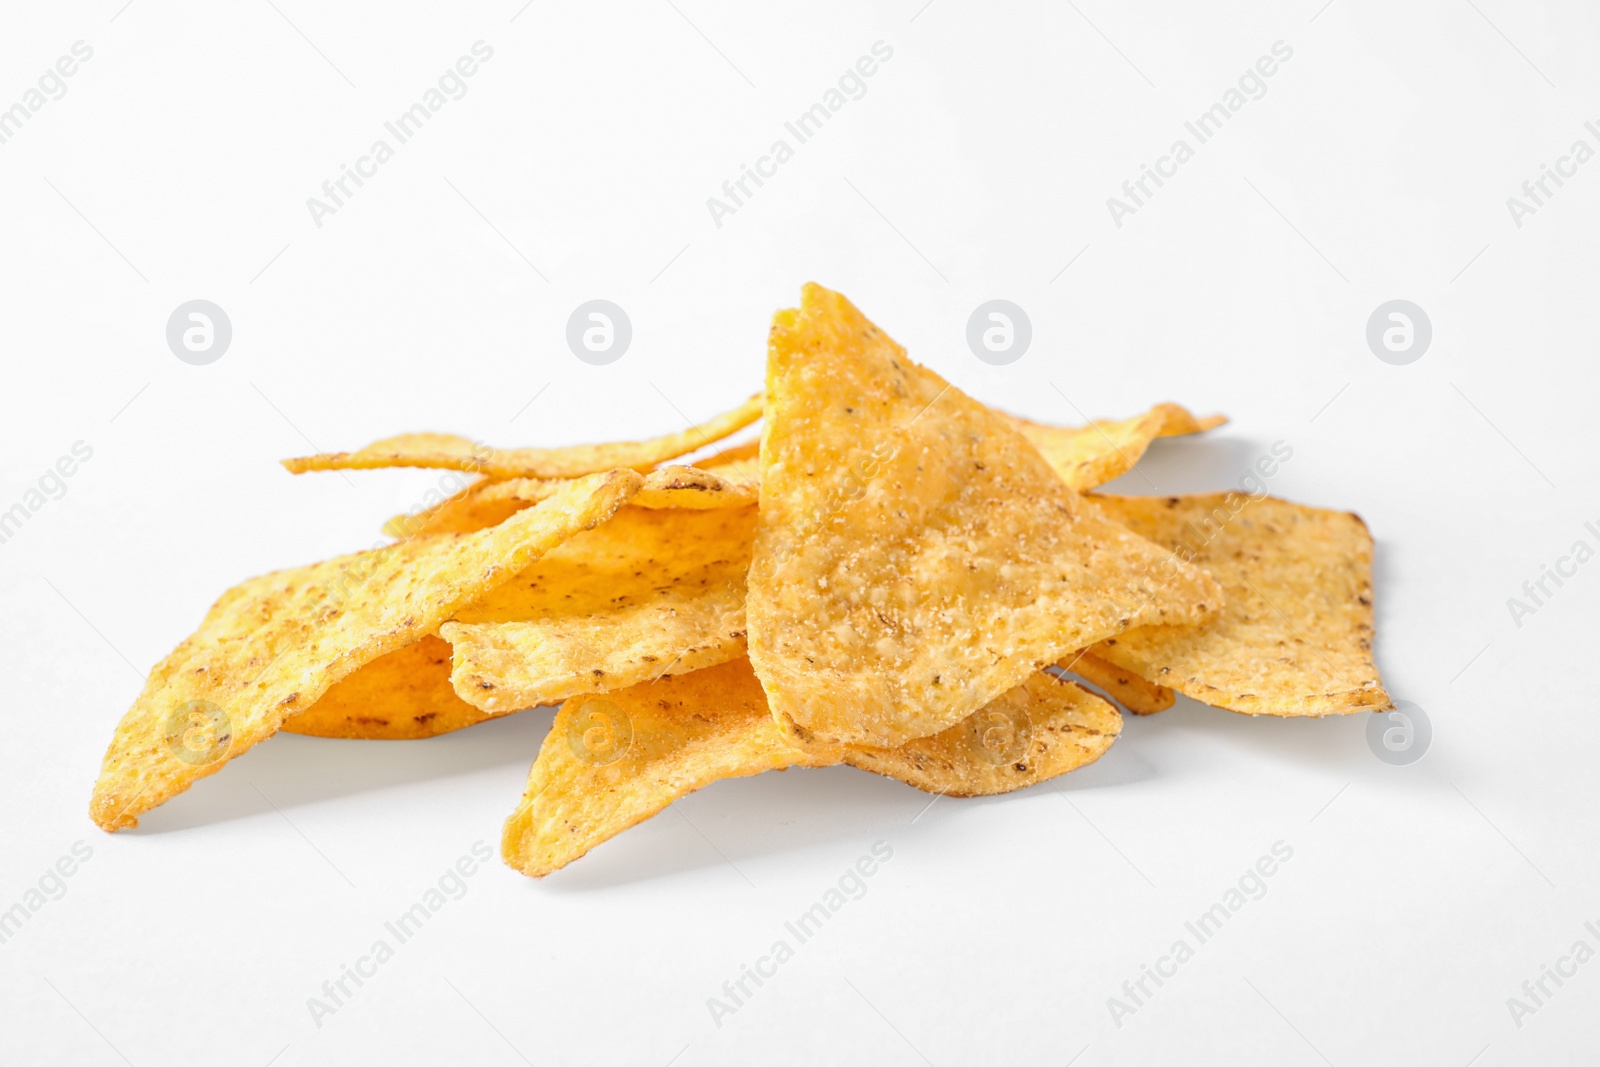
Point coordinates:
pixel 1294 636
pixel 612 761
pixel 274 645
pixel 915 555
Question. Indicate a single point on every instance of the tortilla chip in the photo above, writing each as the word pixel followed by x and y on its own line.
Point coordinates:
pixel 915 556
pixel 402 696
pixel 652 592
pixel 610 762
pixel 449 452
pixel 1092 455
pixel 675 486
pixel 1128 689
pixel 1294 636
pixel 1032 732
pixel 275 644
pixel 491 502
pixel 485 503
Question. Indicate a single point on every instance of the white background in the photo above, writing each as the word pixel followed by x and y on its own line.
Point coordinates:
pixel 978 164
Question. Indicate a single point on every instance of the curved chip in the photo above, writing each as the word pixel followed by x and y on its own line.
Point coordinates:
pixel 610 762
pixel 1125 687
pixel 698 488
pixel 651 592
pixel 447 451
pixel 1294 636
pixel 403 696
pixel 915 556
pixel 1034 731
pixel 1092 455
pixel 483 504
pixel 275 644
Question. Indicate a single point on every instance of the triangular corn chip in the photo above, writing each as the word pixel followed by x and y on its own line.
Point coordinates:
pixel 1294 636
pixel 402 696
pixel 275 644
pixel 651 592
pixel 1125 687
pixel 447 451
pixel 915 556
pixel 1092 455
pixel 612 761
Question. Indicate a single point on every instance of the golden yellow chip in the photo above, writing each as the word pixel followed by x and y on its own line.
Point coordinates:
pixel 486 502
pixel 915 556
pixel 1294 636
pixel 612 761
pixel 1128 689
pixel 645 594
pixel 675 486
pixel 450 452
pixel 275 644
pixel 489 503
pixel 652 592
pixel 1034 731
pixel 1092 455
pixel 401 696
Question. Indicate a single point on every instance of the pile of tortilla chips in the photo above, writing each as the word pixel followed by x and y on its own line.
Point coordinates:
pixel 895 577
